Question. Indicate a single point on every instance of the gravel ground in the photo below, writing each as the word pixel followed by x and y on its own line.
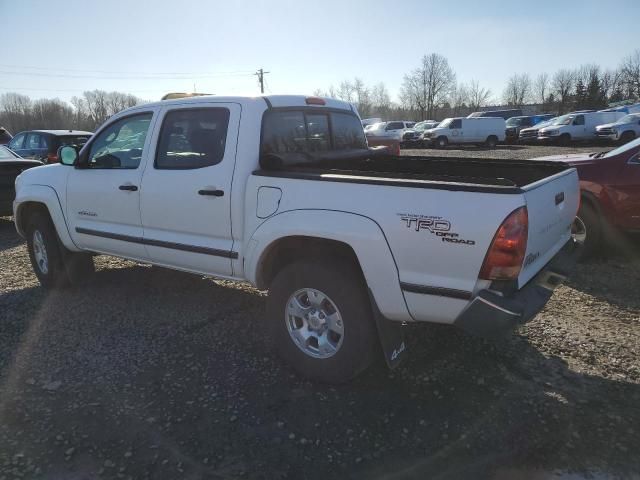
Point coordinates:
pixel 150 373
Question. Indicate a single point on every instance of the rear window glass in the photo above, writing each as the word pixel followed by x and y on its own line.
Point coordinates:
pixel 73 140
pixel 294 131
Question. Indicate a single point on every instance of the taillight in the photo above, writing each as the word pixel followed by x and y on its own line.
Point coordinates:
pixel 52 158
pixel 506 253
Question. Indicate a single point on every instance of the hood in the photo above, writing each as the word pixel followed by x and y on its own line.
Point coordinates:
pixel 609 125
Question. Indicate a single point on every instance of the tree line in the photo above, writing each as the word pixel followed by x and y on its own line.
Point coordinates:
pixel 19 112
pixel 430 91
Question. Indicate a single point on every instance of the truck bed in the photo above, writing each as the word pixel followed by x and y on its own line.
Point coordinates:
pixel 451 173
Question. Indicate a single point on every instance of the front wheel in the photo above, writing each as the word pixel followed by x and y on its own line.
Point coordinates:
pixel 44 252
pixel 442 142
pixel 321 320
pixel 626 137
pixel 565 139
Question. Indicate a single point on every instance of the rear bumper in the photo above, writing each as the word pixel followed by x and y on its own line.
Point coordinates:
pixel 491 315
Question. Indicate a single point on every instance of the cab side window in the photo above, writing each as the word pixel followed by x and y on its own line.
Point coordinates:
pixel 17 142
pixel 579 120
pixel 192 138
pixel 457 123
pixel 120 144
pixel 33 141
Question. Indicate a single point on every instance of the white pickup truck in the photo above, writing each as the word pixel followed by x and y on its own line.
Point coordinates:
pixel 283 192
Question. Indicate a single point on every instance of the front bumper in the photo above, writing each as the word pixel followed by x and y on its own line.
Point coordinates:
pixel 491 315
pixel 607 136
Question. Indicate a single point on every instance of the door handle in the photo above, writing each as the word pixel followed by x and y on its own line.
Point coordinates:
pixel 129 188
pixel 211 193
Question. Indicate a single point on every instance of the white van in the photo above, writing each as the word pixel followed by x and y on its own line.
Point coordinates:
pixel 480 130
pixel 576 126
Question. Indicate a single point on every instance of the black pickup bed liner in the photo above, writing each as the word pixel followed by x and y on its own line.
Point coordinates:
pixel 450 173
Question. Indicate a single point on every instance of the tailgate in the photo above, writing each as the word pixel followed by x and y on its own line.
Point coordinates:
pixel 552 204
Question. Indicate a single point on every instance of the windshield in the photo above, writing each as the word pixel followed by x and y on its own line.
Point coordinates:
pixel 6 154
pixel 420 126
pixel 563 120
pixel 623 148
pixel 515 121
pixel 446 122
pixel 629 118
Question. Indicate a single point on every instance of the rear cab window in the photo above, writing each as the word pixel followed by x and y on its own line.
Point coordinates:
pixel 307 131
pixel 71 140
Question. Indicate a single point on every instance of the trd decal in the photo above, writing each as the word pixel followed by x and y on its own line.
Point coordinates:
pixel 435 225
pixel 532 257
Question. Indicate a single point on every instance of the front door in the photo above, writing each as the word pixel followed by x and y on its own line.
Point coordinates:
pixel 103 191
pixel 186 188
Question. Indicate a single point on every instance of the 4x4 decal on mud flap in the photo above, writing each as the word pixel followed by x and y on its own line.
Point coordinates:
pixel 435 225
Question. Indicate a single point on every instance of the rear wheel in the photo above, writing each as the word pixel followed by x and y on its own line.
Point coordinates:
pixel 321 320
pixel 587 230
pixel 442 142
pixel 626 137
pixel 491 141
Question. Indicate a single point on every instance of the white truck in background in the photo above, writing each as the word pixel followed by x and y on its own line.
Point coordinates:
pixel 576 126
pixel 283 192
pixel 622 130
pixel 486 131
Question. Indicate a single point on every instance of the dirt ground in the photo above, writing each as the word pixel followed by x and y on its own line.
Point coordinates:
pixel 150 373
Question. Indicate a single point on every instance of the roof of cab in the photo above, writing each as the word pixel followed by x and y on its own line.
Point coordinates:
pixel 275 101
pixel 61 133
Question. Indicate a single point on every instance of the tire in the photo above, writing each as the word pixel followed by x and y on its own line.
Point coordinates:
pixel 491 141
pixel 344 355
pixel 587 230
pixel 565 139
pixel 626 137
pixel 63 268
pixel 45 252
pixel 442 142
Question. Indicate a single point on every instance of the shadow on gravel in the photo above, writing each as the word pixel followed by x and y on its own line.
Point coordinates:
pixel 8 236
pixel 151 373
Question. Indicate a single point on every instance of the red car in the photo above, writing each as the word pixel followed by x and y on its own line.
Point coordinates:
pixel 610 201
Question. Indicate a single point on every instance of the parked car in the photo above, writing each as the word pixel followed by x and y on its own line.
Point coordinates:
pixel 515 124
pixel 336 234
pixel 413 135
pixel 576 126
pixel 370 121
pixel 43 145
pixel 393 129
pixel 5 136
pixel 11 165
pixel 610 193
pixel 479 130
pixel 623 130
pixel 530 134
pixel 504 114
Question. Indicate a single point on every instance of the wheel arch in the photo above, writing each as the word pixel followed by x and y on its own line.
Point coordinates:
pixel 298 234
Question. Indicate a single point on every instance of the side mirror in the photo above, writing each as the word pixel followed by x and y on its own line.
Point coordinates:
pixel 68 155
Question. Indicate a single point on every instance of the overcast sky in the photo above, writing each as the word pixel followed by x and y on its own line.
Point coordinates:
pixel 61 48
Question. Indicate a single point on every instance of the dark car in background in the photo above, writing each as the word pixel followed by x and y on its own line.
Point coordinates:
pixel 11 165
pixel 5 136
pixel 43 144
pixel 515 124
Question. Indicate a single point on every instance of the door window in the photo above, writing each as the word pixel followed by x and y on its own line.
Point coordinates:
pixel 17 142
pixel 579 120
pixel 120 144
pixel 457 123
pixel 192 138
pixel 395 126
pixel 33 141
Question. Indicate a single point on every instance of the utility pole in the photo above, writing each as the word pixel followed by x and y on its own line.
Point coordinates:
pixel 261 73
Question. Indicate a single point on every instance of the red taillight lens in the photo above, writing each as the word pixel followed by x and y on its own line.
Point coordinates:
pixel 315 101
pixel 506 253
pixel 52 158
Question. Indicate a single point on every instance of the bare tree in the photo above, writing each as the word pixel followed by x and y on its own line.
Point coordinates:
pixel 346 91
pixel 518 89
pixel 562 85
pixel 541 87
pixel 428 86
pixel 611 82
pixel 16 111
pixel 478 96
pixel 631 74
pixel 458 99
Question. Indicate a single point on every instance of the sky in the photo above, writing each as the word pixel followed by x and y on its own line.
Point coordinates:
pixel 60 48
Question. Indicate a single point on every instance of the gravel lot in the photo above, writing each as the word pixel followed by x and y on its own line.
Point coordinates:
pixel 149 373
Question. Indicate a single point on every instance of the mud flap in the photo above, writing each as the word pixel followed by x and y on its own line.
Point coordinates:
pixel 391 335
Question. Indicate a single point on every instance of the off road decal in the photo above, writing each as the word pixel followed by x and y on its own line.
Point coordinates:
pixel 435 225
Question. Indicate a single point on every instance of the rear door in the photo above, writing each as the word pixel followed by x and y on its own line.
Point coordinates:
pixel 186 188
pixel 35 146
pixel 552 204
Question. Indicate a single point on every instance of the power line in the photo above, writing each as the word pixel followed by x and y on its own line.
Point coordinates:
pixel 56 69
pixel 66 75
